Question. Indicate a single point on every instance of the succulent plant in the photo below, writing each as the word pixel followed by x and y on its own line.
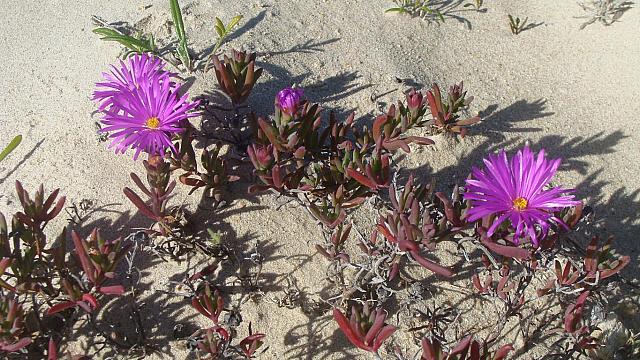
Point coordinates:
pixel 158 192
pixel 237 75
pixel 467 349
pixel 13 335
pixel 365 328
pixel 446 114
pixel 412 227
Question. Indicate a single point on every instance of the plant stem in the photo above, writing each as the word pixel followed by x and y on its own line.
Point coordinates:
pixel 213 53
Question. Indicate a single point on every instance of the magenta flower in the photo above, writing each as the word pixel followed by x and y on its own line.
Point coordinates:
pixel 289 99
pixel 515 190
pixel 139 69
pixel 141 106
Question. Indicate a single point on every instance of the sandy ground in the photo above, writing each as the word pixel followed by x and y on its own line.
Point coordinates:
pixel 575 93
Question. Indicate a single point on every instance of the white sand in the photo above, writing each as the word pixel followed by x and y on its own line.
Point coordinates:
pixel 575 93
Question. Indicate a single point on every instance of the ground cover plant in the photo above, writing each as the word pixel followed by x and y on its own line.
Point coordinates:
pixel 435 11
pixel 518 239
pixel 604 11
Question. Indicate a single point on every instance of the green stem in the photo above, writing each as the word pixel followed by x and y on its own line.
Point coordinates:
pixel 213 53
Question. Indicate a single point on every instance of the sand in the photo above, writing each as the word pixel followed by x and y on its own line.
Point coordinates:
pixel 574 93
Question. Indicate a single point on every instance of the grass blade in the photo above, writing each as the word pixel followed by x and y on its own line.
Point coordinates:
pixel 183 50
pixel 12 145
pixel 137 45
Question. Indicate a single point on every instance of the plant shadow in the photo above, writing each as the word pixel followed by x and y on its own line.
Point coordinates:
pixel 25 157
pixel 161 299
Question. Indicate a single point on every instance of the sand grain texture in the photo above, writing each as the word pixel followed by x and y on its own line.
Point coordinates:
pixel 575 93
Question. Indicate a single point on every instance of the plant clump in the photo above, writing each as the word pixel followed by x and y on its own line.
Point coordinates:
pixel 514 239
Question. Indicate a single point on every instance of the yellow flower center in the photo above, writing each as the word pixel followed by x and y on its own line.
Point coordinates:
pixel 520 203
pixel 152 122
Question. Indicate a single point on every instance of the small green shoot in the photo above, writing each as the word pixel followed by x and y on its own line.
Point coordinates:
pixel 182 51
pixel 516 25
pixel 420 8
pixel 215 237
pixel 12 146
pixel 133 44
pixel 223 31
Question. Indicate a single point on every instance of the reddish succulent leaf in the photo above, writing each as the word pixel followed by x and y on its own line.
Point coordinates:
pixel 24 219
pixel 377 126
pixel 420 140
pixel 621 263
pixel 56 210
pixel 393 145
pixel 354 202
pixel 462 346
pixel 4 263
pixel 572 220
pixel 91 300
pixel 408 245
pixel 209 269
pixel 196 305
pixel 257 188
pixel 432 351
pixel 341 216
pixel 436 268
pixel 270 132
pixel 590 260
pixel 350 333
pixel 385 333
pixel 378 322
pixel 386 233
pixel 83 256
pixel 52 197
pixel 251 343
pixel 60 307
pixel 224 78
pixel 573 314
pixel 249 79
pixel 84 306
pixel 507 251
pixel 189 181
pixel 469 121
pixel 448 209
pixel 112 290
pixel 503 352
pixel 52 351
pixel 137 201
pixel 476 282
pixel 362 179
pixel 20 344
pixel 139 183
pixel 276 177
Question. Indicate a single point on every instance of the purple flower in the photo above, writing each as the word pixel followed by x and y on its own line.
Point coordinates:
pixel 139 69
pixel 514 190
pixel 141 106
pixel 289 99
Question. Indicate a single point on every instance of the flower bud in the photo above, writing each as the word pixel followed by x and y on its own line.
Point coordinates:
pixel 289 99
